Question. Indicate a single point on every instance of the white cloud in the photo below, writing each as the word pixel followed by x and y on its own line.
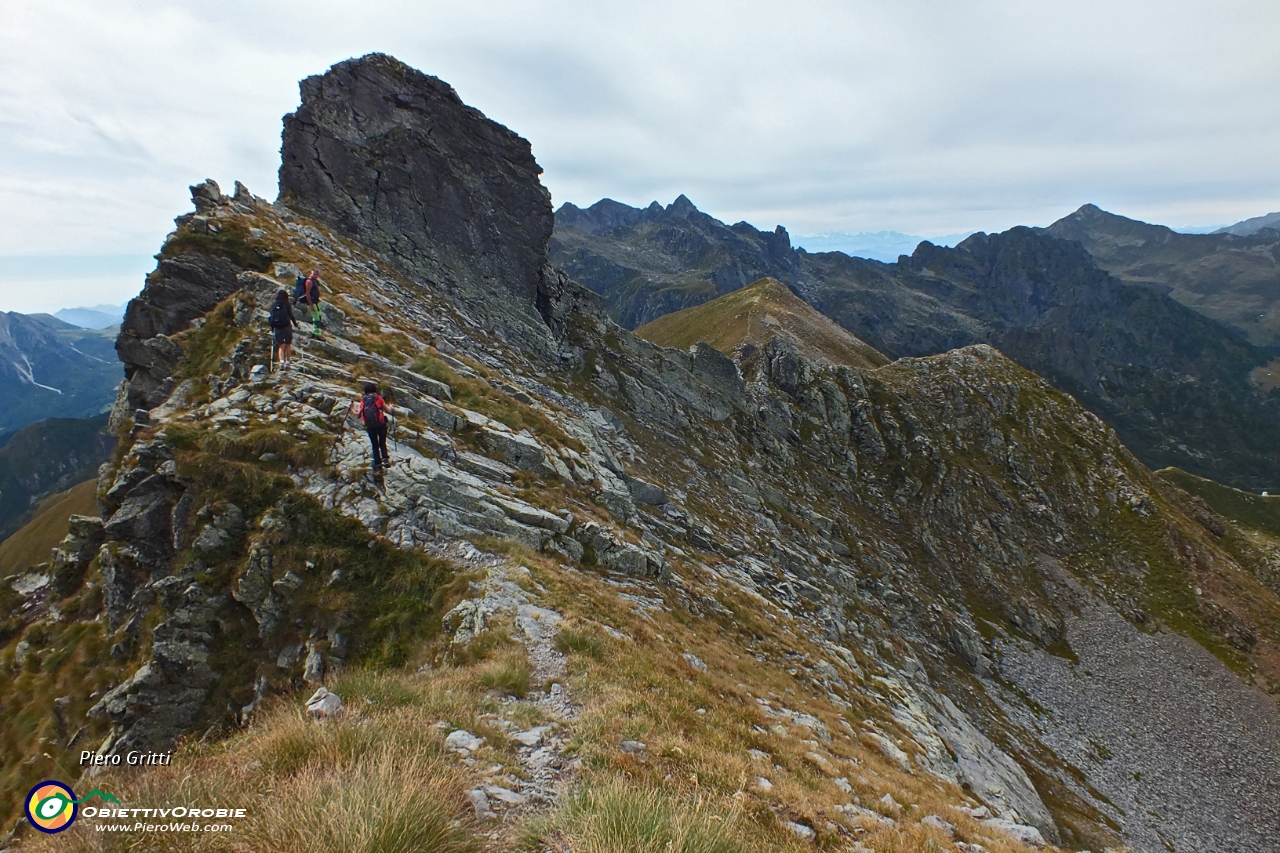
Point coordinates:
pixel 925 117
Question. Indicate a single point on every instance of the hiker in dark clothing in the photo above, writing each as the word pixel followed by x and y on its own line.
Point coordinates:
pixel 282 324
pixel 373 411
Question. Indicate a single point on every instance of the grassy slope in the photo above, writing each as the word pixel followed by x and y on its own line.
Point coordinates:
pixel 693 789
pixel 31 545
pixel 1244 508
pixel 755 314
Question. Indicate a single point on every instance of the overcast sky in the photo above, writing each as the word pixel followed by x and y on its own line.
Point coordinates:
pixel 923 117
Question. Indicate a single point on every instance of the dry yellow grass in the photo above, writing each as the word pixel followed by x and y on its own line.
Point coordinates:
pixel 698 728
pixel 30 545
pixel 377 779
pixel 755 314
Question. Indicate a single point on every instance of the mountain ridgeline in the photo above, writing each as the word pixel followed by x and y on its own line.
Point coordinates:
pixel 775 592
pixel 1174 384
pixel 1232 275
pixel 52 369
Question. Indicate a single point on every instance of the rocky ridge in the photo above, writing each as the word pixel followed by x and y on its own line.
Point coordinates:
pixel 1175 384
pixel 879 548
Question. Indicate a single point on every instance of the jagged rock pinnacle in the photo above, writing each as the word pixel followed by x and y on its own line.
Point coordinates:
pixel 395 159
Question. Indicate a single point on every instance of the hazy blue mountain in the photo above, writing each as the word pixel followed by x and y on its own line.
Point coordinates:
pixel 97 317
pixel 1250 226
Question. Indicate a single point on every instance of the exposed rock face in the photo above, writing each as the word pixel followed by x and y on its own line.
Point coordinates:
pixel 651 262
pixel 180 290
pixel 71 558
pixel 393 158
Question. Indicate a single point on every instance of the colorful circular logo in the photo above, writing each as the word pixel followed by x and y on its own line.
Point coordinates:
pixel 51 807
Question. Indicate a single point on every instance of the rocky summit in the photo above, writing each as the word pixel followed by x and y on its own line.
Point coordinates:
pixel 765 589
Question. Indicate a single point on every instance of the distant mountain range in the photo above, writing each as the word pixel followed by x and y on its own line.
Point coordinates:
pixel 97 317
pixel 49 368
pixel 1174 383
pixel 1232 275
pixel 1253 225
pixel 884 246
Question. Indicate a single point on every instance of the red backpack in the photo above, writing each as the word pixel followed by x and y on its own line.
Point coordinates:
pixel 371 410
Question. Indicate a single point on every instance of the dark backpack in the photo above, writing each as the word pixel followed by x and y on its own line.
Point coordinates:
pixel 299 288
pixel 279 315
pixel 370 412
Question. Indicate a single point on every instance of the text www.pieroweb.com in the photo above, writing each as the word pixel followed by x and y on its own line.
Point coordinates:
pixel 177 819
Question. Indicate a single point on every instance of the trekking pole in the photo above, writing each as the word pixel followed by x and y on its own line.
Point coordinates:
pixel 342 433
pixel 271 354
pixel 394 442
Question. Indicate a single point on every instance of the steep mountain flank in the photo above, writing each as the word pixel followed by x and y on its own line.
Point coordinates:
pixel 51 369
pixel 1233 277
pixel 754 316
pixel 615 596
pixel 1174 384
pixel 47 457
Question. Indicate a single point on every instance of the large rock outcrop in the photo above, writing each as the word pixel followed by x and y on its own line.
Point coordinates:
pixel 393 158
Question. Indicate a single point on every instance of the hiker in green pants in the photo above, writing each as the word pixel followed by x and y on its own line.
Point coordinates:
pixel 311 298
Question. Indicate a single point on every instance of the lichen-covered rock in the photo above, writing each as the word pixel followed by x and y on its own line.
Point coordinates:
pixel 618 555
pixel 155 705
